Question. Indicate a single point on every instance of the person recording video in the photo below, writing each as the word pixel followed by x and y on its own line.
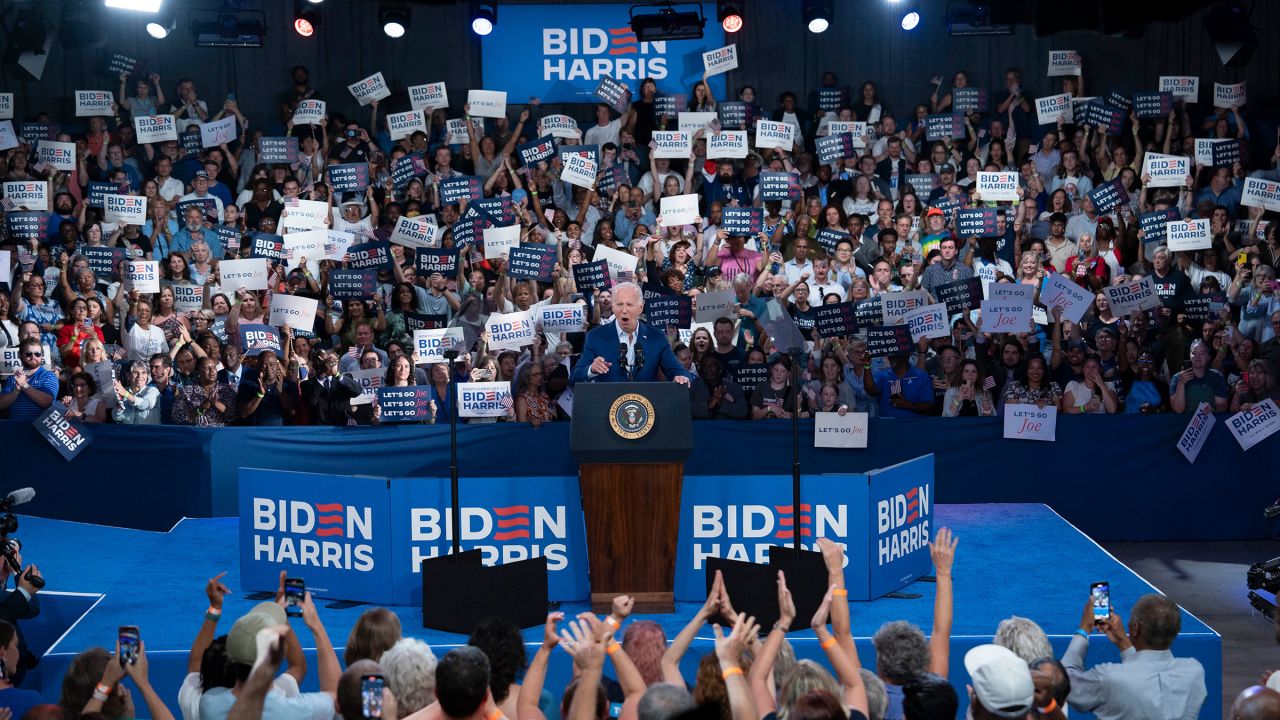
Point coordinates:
pixel 20 603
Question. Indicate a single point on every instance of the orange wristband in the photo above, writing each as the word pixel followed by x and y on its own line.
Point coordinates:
pixel 495 715
pixel 609 619
pixel 731 672
pixel 1053 705
pixel 840 592
pixel 828 643
pixel 612 648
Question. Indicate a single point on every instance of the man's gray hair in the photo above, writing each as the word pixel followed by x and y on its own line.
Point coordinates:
pixel 901 651
pixel 1160 250
pixel 877 696
pixel 410 670
pixel 629 286
pixel 742 279
pixel 1158 618
pixel 1024 638
pixel 662 701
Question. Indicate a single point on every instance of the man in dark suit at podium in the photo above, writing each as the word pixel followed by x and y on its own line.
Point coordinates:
pixel 626 350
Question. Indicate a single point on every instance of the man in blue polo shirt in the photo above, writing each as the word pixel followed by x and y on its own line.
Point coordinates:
pixel 32 387
pixel 904 389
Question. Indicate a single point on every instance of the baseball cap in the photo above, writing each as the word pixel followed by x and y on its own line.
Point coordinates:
pixel 242 641
pixel 519 195
pixel 946 168
pixel 1001 680
pixel 934 211
pixel 200 174
pixel 1077 345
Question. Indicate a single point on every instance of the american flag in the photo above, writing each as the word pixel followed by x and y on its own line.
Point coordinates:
pixel 7 204
pixel 988 383
pixel 895 387
pixel 291 202
pixel 42 166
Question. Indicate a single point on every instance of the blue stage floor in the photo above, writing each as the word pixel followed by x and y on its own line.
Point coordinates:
pixel 1012 560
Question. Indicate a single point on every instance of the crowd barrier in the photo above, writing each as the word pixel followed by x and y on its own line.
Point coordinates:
pixel 1114 477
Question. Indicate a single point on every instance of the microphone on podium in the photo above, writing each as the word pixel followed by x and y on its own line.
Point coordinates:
pixel 622 359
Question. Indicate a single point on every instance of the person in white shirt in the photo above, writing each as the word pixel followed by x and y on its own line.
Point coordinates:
pixel 605 130
pixel 822 282
pixel 170 188
pixel 664 171
pixel 143 339
pixel 200 191
pixel 799 263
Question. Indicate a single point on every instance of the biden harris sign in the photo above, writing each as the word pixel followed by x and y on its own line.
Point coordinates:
pixel 560 53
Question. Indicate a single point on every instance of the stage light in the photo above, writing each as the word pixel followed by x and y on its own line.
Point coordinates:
pixel 1231 33
pixel 394 18
pixel 159 28
pixel 730 16
pixel 667 20
pixel 306 17
pixel 484 15
pixel 910 20
pixel 817 14
pixel 147 6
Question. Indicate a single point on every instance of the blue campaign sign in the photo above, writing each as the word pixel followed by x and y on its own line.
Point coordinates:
pixel 507 519
pixel 332 531
pixel 900 508
pixel 560 53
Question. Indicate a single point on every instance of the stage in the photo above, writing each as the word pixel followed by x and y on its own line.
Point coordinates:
pixel 1012 559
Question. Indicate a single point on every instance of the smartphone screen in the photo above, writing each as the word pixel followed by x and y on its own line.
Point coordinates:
pixel 1100 592
pixel 129 644
pixel 295 591
pixel 371 687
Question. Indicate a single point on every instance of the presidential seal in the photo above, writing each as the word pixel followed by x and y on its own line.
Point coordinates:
pixel 631 416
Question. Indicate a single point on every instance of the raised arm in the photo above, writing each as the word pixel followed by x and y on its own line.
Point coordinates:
pixel 848 668
pixel 671 658
pixel 215 590
pixel 943 550
pixel 729 654
pixel 536 675
pixel 762 668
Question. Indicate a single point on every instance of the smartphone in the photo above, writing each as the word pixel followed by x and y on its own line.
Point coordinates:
pixel 231 97
pixel 295 590
pixel 371 687
pixel 1100 593
pixel 130 645
pixel 1241 260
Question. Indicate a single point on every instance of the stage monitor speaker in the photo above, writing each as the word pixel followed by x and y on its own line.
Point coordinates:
pixel 459 591
pixel 753 588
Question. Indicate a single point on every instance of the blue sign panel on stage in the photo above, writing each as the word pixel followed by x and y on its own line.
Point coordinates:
pixel 900 524
pixel 560 53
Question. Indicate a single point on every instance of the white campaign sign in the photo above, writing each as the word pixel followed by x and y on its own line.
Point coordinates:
pixel 429 345
pixel 484 399
pixel 250 274
pixel 498 241
pixel 416 232
pixel 1006 315
pixel 9 139
pixel 187 297
pixel 1132 296
pixel 307 244
pixel 124 209
pixel 692 122
pixel 1063 62
pixel 402 125
pixel 1252 426
pixel 1182 87
pixel 679 210
pixel 428 97
pixel 1074 300
pixel 727 144
pixel 998 186
pixel 1028 422
pixel 929 321
pixel 1228 96
pixel 370 89
pixel 9 361
pixel 617 260
pixel 1166 170
pixel 770 134
pixel 895 306
pixel 154 128
pixel 297 312
pixel 710 306
pixel 1204 149
pixel 1050 109
pixel 309 112
pixel 369 381
pixel 1197 432
pixel 487 103
pixel 674 144
pixel 6 106
pixel 561 126
pixel 563 317
pixel 510 331
pixel 59 155
pixel 336 243
pixel 1188 234
pixel 720 60
pixel 835 431
pixel 579 170
pixel 94 103
pixel 29 194
pixel 1261 193
pixel 143 276
pixel 218 132
pixel 303 215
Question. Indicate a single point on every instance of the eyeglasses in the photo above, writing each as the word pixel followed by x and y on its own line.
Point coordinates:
pixel 32 354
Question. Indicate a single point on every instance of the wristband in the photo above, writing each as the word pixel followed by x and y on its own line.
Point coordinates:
pixel 102 688
pixel 261 395
pixel 612 648
pixel 213 614
pixel 828 643
pixel 99 696
pixel 1083 634
pixel 840 592
pixel 1053 705
pixel 495 715
pixel 613 623
pixel 730 672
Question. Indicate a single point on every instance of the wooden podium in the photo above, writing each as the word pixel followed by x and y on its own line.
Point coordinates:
pixel 631 440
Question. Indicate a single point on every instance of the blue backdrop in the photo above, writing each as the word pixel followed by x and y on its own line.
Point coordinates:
pixel 1116 477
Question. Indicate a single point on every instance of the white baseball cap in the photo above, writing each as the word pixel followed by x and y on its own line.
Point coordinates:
pixel 1001 680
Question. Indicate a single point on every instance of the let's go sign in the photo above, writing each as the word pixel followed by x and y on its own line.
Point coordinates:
pixel 560 52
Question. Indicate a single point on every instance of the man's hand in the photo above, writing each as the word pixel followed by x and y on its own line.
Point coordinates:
pixel 549 637
pixel 786 605
pixel 587 650
pixel 25 583
pixel 943 551
pixel 216 590
pixel 681 380
pixel 1113 626
pixel 832 556
pixel 729 649
pixel 712 603
pixel 138 670
pixel 114 671
pixel 309 614
pixel 600 366
pixel 622 607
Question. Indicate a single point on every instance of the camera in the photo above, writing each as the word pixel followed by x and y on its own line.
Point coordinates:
pixel 351 133
pixel 11 546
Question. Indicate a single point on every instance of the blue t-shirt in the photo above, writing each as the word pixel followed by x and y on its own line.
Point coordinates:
pixel 916 387
pixel 19 701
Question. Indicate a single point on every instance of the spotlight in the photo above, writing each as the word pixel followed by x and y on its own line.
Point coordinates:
pixel 160 27
pixel 817 14
pixel 306 17
pixel 147 6
pixel 1231 33
pixel 484 15
pixel 910 20
pixel 730 15
pixel 394 18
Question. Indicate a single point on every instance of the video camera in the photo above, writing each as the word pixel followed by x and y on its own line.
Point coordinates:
pixel 10 546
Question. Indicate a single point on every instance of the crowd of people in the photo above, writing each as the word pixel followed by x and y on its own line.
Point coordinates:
pixel 255 668
pixel 850 230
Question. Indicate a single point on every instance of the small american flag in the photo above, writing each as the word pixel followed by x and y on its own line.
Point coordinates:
pixel 988 383
pixel 6 204
pixel 291 202
pixel 895 387
pixel 42 167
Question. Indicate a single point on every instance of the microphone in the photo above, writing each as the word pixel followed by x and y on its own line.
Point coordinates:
pixel 639 359
pixel 21 495
pixel 622 359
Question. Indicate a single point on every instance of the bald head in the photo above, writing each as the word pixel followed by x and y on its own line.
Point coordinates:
pixel 1256 703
